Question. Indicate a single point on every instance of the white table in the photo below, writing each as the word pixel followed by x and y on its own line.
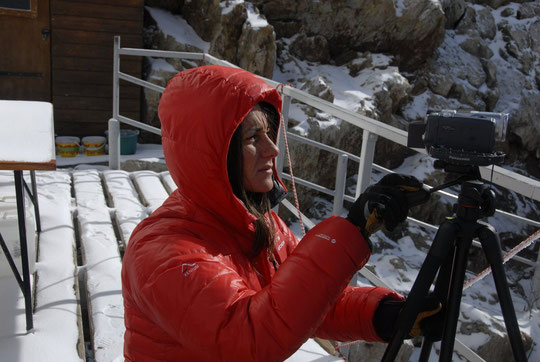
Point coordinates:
pixel 26 143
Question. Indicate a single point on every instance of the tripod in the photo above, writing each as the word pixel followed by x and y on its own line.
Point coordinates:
pixel 448 257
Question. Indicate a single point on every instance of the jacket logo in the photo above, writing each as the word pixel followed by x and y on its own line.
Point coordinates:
pixel 326 237
pixel 280 246
pixel 189 268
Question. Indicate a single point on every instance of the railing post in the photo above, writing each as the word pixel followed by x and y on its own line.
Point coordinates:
pixel 535 292
pixel 116 85
pixel 114 124
pixel 286 102
pixel 114 144
pixel 341 178
pixel 369 141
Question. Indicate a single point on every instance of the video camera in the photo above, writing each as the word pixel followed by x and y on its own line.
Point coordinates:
pixel 460 138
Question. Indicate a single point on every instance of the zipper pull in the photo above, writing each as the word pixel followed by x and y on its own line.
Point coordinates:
pixel 274 263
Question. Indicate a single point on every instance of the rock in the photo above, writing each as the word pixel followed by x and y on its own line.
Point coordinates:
pixel 318 86
pixel 287 29
pixel 204 16
pixel 495 346
pixel 313 48
pixel 230 34
pixel 486 24
pixel 277 9
pixel 358 64
pixel 257 45
pixel 454 10
pixel 159 72
pixel 494 3
pixel 477 47
pixel 534 36
pixel 173 6
pixel 365 351
pixel 491 73
pixel 529 10
pixel 454 73
pixel 526 121
pixel 225 45
pixel 393 92
pixel 410 32
pixel 467 24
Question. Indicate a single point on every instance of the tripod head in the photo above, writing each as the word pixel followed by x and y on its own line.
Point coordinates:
pixel 475 199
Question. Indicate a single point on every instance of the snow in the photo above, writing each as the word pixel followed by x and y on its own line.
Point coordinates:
pixel 352 93
pixel 20 145
pixel 254 18
pixel 57 303
pixel 400 7
pixel 160 64
pixel 228 6
pixel 55 336
pixel 178 28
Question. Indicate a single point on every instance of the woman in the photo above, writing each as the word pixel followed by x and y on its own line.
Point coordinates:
pixel 213 274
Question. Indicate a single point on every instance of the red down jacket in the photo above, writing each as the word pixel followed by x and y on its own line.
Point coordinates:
pixel 190 291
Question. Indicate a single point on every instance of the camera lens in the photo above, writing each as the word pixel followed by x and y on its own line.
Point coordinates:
pixel 500 120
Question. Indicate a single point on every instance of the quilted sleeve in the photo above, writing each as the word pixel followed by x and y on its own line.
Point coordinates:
pixel 201 301
pixel 351 318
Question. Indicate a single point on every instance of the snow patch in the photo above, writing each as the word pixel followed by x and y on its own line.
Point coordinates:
pixel 178 28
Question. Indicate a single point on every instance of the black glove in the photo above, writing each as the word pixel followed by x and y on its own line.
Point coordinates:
pixel 429 321
pixel 386 203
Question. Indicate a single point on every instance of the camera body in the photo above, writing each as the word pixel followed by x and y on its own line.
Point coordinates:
pixel 464 138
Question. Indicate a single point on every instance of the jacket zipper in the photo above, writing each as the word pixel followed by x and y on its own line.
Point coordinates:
pixel 274 263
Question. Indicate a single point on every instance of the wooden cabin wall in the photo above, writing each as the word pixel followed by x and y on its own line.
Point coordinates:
pixel 82 62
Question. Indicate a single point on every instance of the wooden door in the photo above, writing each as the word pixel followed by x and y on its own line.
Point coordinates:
pixel 25 48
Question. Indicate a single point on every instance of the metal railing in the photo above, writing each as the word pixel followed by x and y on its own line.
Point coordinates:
pixel 372 129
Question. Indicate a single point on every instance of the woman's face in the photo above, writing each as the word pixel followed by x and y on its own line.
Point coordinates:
pixel 258 151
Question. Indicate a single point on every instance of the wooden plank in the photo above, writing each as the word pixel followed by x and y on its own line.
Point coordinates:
pixel 123 3
pixel 82 50
pixel 128 210
pixel 97 91
pixel 150 187
pixel 85 115
pixel 103 266
pixel 86 77
pixel 20 166
pixel 128 65
pixel 81 129
pixel 100 11
pixel 70 36
pixel 70 102
pixel 117 26
pixel 83 77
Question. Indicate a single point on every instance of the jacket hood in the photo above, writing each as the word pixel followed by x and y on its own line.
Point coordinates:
pixel 199 111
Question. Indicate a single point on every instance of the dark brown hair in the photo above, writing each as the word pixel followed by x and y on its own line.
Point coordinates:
pixel 257 203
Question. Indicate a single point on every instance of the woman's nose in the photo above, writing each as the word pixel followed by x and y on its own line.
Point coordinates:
pixel 270 148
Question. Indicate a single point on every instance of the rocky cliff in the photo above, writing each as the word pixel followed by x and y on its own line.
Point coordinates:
pixel 480 55
pixel 391 60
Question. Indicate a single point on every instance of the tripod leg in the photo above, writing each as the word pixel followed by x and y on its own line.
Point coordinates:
pixel 454 298
pixel 492 249
pixel 441 291
pixel 442 243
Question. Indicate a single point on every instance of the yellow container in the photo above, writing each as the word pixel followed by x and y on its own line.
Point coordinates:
pixel 94 145
pixel 67 146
